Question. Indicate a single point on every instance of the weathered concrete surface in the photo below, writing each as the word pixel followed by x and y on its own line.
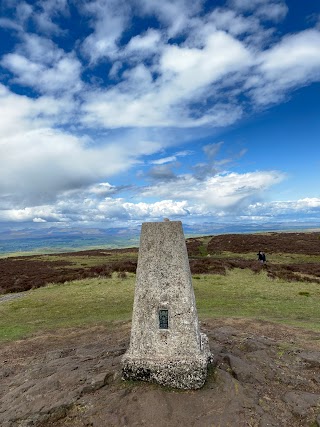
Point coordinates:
pixel 177 356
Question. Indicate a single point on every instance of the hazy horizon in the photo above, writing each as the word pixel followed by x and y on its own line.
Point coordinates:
pixel 55 240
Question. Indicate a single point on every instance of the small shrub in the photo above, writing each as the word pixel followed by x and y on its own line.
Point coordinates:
pixel 122 275
pixel 304 293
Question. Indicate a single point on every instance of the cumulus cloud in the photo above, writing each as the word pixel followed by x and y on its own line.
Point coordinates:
pixel 42 14
pixel 108 18
pixel 224 194
pixel 228 20
pixel 37 162
pixel 40 64
pixel 140 101
pixel 222 191
pixel 274 10
pixel 50 9
pixel 291 63
pixel 165 92
pixel 287 207
pixel 46 163
pixel 91 108
pixel 34 214
pixel 144 42
pixel 177 16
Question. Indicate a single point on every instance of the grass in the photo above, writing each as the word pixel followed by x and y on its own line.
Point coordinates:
pixel 276 258
pixel 74 304
pixel 88 260
pixel 98 301
pixel 242 293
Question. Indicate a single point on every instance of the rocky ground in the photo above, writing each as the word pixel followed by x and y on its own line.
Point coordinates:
pixel 263 375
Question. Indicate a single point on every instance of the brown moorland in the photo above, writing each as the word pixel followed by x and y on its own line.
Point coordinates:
pixel 209 255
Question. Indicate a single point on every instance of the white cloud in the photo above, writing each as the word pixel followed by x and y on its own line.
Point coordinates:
pixel 300 51
pixel 144 42
pixel 34 214
pixel 223 191
pixel 225 197
pixel 221 55
pixel 291 63
pixel 161 209
pixel 39 220
pixel 140 101
pixel 229 20
pixel 294 207
pixel 118 210
pixel 10 24
pixel 171 159
pixel 274 10
pixel 108 19
pixel 39 49
pixel 50 9
pixel 164 160
pixel 62 74
pixel 175 15
pixel 42 13
pixel 20 114
pixel 102 189
pixel 37 162
pixel 23 11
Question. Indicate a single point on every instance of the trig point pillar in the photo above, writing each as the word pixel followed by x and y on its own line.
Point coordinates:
pixel 166 345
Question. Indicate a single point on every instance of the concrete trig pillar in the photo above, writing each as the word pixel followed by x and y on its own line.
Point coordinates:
pixel 166 345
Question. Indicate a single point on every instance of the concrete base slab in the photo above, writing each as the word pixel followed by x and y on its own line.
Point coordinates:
pixel 182 373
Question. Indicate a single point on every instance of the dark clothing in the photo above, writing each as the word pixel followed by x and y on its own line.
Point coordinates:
pixel 262 257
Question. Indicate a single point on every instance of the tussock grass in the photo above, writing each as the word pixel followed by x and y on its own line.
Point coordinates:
pixel 88 302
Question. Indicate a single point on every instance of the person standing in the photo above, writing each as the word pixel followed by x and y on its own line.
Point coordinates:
pixel 261 257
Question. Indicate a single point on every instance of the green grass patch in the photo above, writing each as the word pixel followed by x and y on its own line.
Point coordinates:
pixel 79 303
pixel 78 261
pixel 203 249
pixel 98 301
pixel 275 258
pixel 242 293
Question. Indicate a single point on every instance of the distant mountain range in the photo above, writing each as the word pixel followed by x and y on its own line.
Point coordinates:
pixel 41 233
pixel 56 239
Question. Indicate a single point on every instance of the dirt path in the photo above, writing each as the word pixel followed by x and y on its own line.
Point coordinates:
pixel 11 297
pixel 263 375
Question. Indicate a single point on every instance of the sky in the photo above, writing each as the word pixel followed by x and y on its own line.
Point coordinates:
pixel 117 112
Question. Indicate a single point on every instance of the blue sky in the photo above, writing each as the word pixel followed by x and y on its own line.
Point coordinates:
pixel 116 112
